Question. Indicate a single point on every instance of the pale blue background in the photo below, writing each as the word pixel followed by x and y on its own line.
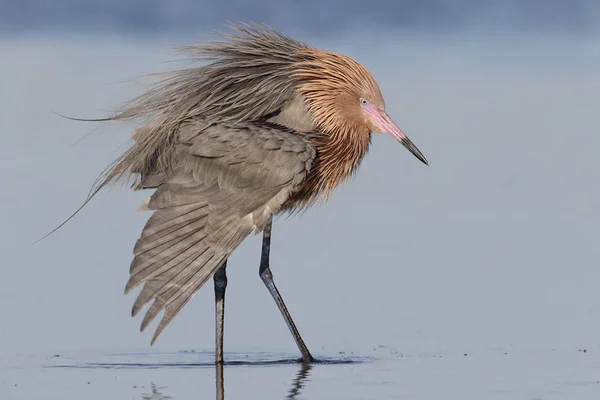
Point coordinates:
pixel 491 248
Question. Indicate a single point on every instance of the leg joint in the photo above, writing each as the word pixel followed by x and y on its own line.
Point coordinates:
pixel 221 283
pixel 265 274
pixel 220 278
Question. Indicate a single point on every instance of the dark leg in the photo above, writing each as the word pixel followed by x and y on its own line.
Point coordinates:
pixel 220 279
pixel 267 277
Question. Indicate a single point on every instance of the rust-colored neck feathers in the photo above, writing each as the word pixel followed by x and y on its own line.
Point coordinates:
pixel 332 85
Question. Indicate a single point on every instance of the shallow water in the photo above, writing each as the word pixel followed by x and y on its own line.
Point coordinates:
pixel 536 373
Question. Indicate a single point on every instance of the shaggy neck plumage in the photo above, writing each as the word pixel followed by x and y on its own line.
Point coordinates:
pixel 332 84
pixel 339 153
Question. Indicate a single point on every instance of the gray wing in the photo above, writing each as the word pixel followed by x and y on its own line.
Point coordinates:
pixel 224 183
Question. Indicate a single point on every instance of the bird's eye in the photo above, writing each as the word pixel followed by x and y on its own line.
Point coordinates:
pixel 363 102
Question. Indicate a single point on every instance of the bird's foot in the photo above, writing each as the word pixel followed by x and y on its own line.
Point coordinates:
pixel 305 360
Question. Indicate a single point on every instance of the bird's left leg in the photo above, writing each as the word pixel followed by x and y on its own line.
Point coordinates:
pixel 267 278
pixel 220 279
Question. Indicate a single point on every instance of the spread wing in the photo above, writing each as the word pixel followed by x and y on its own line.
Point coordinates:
pixel 224 182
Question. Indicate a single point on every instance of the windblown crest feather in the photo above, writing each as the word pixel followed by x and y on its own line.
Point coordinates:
pixel 211 90
pixel 237 84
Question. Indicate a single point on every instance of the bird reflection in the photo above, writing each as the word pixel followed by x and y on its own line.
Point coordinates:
pixel 299 382
pixel 220 381
pixel 297 385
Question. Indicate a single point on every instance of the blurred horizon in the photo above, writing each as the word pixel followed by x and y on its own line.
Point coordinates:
pixel 154 18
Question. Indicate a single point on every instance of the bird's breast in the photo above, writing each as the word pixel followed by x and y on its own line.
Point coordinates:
pixel 337 158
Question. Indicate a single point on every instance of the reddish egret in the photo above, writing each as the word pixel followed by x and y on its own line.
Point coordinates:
pixel 267 126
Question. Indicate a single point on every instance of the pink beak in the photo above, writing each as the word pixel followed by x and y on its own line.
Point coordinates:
pixel 380 119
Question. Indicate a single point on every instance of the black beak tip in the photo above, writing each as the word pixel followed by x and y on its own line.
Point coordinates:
pixel 416 152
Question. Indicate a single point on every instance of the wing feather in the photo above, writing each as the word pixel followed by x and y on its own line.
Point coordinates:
pixel 225 182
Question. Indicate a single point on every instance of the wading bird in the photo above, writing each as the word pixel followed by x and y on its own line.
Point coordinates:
pixel 268 126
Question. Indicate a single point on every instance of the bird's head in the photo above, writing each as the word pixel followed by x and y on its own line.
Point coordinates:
pixel 343 96
pixel 379 121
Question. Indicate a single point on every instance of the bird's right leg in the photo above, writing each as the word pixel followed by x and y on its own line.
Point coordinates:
pixel 267 278
pixel 220 279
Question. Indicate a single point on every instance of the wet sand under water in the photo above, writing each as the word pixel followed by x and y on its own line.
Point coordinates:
pixel 386 374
